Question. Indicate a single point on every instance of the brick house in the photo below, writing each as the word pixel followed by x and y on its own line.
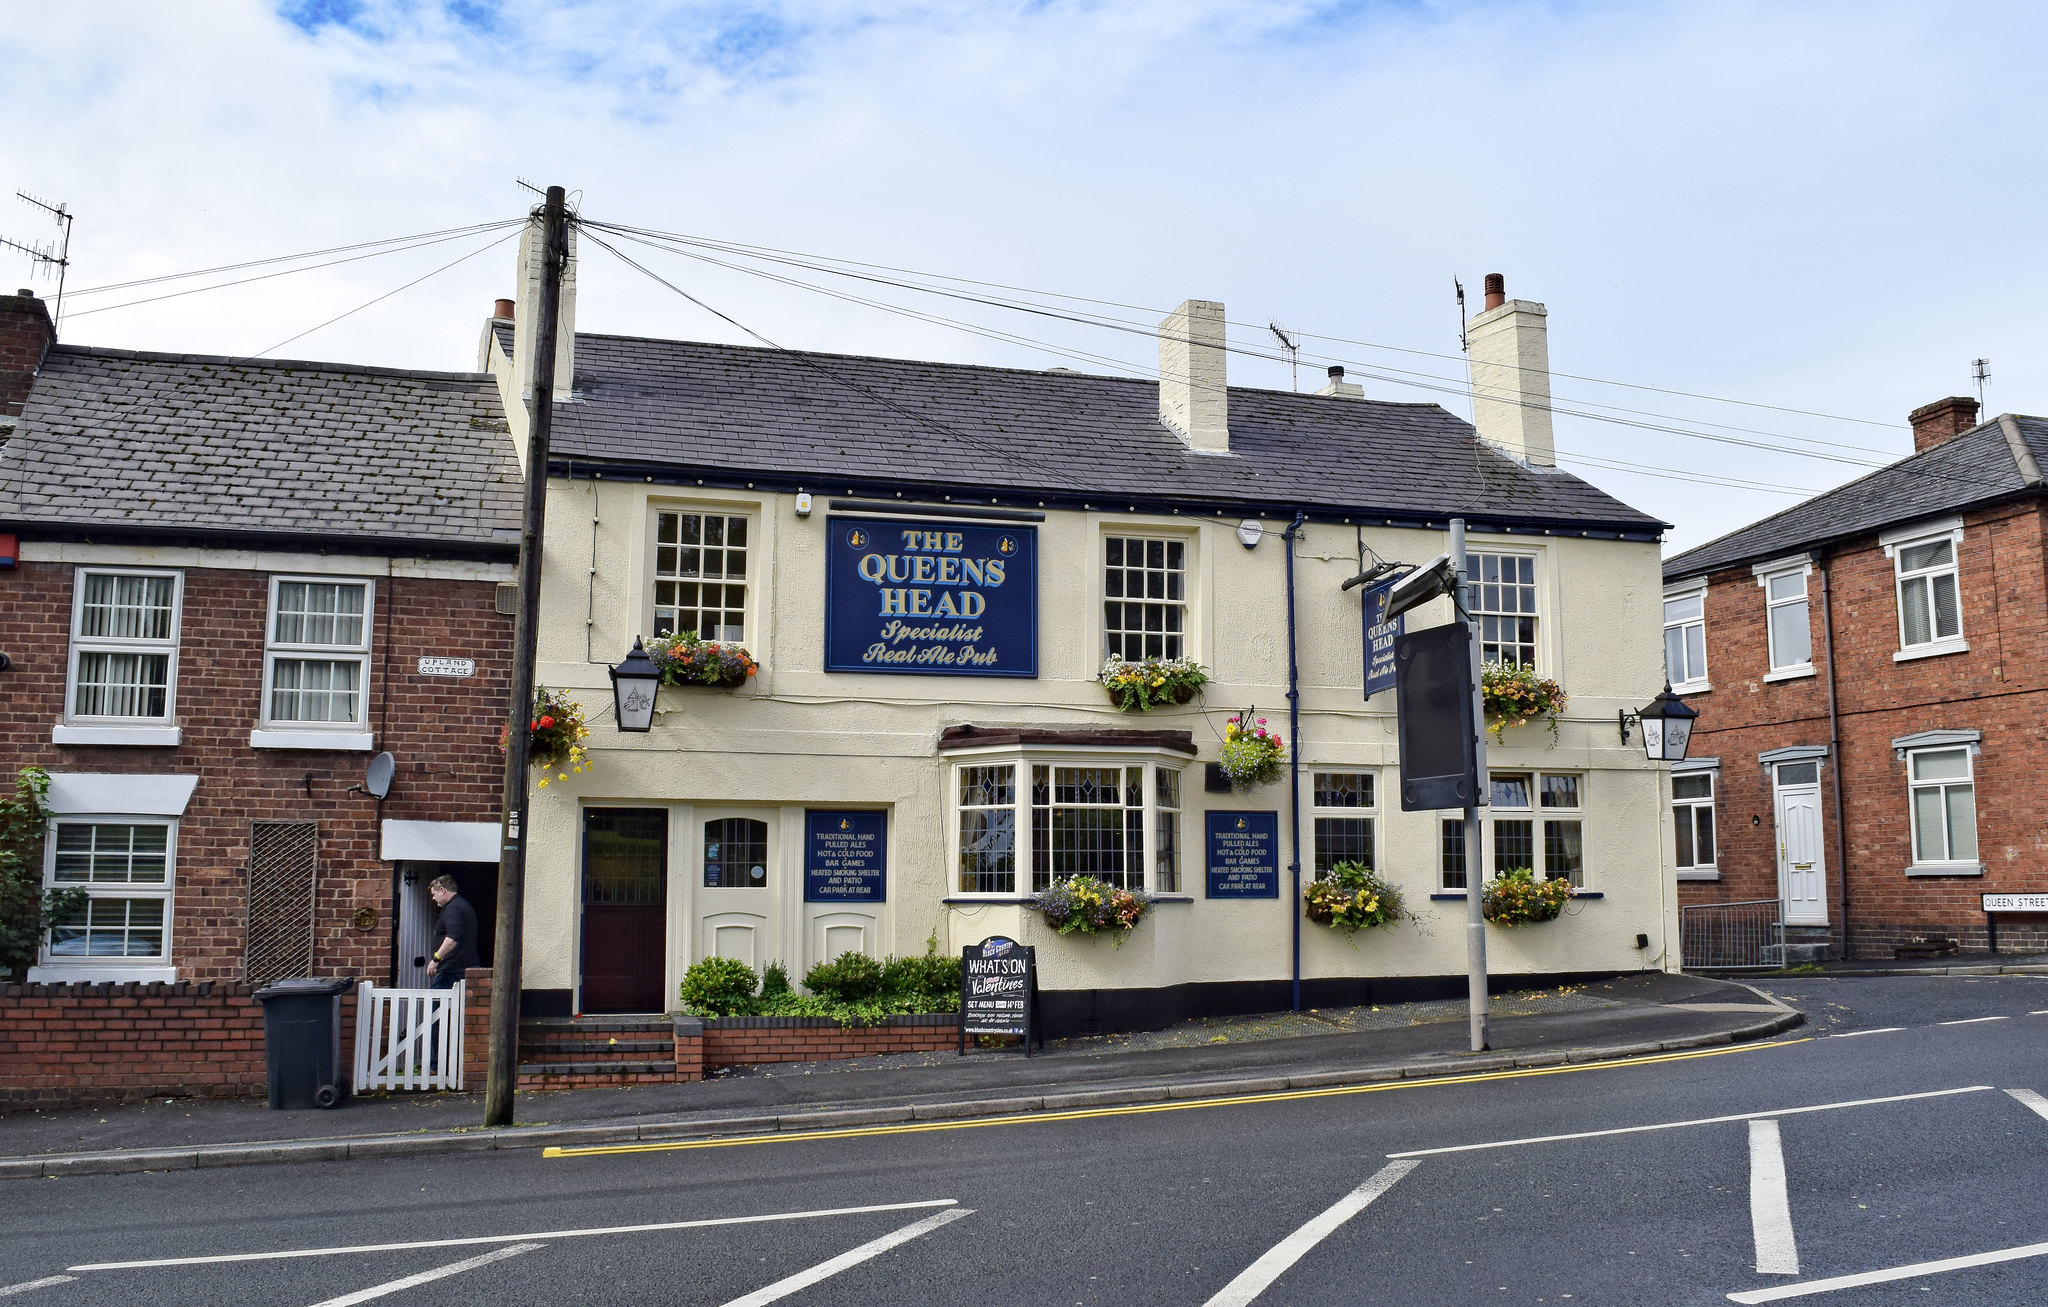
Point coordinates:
pixel 222 583
pixel 1871 673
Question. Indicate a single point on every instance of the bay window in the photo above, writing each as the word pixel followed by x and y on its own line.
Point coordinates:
pixel 1064 816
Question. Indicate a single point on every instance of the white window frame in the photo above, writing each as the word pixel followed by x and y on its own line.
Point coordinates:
pixel 1765 573
pixel 1367 812
pixel 1895 543
pixel 1185 604
pixel 1951 866
pixel 1536 814
pixel 57 969
pixel 1698 870
pixel 1696 590
pixel 353 736
pixel 754 549
pixel 1475 594
pixel 1022 852
pixel 76 728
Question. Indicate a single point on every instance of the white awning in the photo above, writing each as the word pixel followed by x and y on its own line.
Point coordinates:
pixel 77 794
pixel 440 841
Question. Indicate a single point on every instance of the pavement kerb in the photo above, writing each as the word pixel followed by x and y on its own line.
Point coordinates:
pixel 2028 969
pixel 518 1137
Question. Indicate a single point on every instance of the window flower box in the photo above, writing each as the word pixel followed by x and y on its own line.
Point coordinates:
pixel 1152 682
pixel 1517 898
pixel 1515 695
pixel 1352 897
pixel 688 660
pixel 1092 907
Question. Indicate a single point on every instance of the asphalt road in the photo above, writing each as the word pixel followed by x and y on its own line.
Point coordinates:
pixel 1298 1198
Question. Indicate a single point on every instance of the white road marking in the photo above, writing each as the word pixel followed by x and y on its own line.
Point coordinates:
pixel 852 1257
pixel 1678 1125
pixel 1878 1030
pixel 1971 1021
pixel 2038 1104
pixel 2039 1012
pixel 1770 1209
pixel 509 1238
pixel 1253 1280
pixel 1914 1271
pixel 426 1277
pixel 43 1283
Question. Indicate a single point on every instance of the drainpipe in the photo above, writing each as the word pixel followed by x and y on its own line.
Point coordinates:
pixel 1827 639
pixel 1293 533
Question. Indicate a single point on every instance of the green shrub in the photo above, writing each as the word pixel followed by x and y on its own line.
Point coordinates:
pixel 931 981
pixel 774 982
pixel 849 978
pixel 719 987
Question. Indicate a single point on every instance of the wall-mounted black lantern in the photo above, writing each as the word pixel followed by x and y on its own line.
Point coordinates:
pixel 634 683
pixel 1666 723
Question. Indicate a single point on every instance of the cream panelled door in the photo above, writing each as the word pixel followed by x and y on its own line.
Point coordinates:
pixel 1802 868
pixel 737 902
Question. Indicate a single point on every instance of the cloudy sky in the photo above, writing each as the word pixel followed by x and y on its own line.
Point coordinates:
pixel 1823 210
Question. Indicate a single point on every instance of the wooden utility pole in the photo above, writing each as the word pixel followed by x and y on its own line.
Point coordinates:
pixel 540 411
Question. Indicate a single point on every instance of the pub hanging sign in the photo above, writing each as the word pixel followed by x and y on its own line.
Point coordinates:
pixel 931 598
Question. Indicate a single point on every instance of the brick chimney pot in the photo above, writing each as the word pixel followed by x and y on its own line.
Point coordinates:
pixel 1942 421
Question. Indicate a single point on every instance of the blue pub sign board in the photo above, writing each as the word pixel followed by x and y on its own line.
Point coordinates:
pixel 845 856
pixel 931 598
pixel 1244 855
pixel 1379 640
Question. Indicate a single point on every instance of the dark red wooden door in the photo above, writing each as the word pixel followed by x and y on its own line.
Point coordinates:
pixel 625 909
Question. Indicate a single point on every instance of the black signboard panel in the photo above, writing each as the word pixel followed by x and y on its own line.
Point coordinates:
pixel 999 990
pixel 845 856
pixel 1244 855
pixel 1433 703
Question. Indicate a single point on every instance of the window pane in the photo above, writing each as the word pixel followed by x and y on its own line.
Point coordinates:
pixel 1684 609
pixel 1948 620
pixel 1451 856
pixel 736 853
pixel 1510 790
pixel 1564 854
pixel 1929 828
pixel 1798 773
pixel 1941 765
pixel 1560 791
pixel 1169 786
pixel 1791 644
pixel 1342 839
pixel 314 690
pixel 1514 846
pixel 1682 824
pixel 1788 585
pixel 1166 854
pixel 988 849
pixel 1703 836
pixel 1674 655
pixel 122 685
pixel 319 612
pixel 1962 821
pixel 126 607
pixel 1695 652
pixel 1343 789
pixel 1934 553
pixel 1916 625
pixel 708 546
pixel 1692 787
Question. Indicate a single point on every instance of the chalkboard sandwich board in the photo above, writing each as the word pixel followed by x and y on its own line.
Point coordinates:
pixel 999 991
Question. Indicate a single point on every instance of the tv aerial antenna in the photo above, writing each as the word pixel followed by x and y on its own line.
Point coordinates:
pixel 57 256
pixel 1292 344
pixel 1980 372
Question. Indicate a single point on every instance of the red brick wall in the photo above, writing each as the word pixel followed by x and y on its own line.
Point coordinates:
pixel 107 1043
pixel 739 1043
pixel 1999 687
pixel 443 732
pixel 25 336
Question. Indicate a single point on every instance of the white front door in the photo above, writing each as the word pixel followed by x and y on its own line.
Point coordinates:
pixel 737 900
pixel 1802 870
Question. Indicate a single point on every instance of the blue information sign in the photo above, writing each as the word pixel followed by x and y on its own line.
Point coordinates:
pixel 1244 855
pixel 845 856
pixel 931 598
pixel 1379 640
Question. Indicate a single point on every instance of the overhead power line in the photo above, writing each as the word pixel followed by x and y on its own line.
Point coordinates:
pixel 387 294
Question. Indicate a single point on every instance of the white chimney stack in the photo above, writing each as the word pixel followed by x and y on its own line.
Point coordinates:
pixel 1509 347
pixel 1194 395
pixel 532 246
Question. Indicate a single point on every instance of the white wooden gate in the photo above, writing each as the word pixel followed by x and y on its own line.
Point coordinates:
pixel 408 1038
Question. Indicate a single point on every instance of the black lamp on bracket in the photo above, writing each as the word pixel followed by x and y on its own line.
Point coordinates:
pixel 1667 726
pixel 634 683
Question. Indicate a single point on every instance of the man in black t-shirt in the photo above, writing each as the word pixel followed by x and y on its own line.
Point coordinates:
pixel 455 933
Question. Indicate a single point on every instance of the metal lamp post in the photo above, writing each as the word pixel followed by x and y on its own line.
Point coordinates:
pixel 1667 726
pixel 634 683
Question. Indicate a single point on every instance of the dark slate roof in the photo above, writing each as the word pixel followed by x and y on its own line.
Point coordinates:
pixel 826 420
pixel 1976 467
pixel 192 444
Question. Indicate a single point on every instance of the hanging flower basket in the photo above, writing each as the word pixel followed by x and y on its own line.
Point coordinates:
pixel 1352 897
pixel 555 742
pixel 1252 755
pixel 1516 897
pixel 1152 682
pixel 687 659
pixel 1515 695
pixel 1092 907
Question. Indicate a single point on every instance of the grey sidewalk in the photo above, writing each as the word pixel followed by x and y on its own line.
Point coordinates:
pixel 1626 1017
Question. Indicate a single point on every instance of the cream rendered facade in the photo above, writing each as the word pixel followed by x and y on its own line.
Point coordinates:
pixel 798 737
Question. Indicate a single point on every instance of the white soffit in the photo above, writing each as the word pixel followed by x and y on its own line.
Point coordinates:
pixel 72 793
pixel 440 841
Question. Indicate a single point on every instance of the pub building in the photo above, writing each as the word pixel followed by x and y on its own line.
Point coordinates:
pixel 930 564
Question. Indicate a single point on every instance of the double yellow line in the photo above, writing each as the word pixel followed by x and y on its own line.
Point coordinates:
pixel 1141 1109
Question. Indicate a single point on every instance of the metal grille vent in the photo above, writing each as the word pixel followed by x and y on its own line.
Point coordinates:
pixel 283 863
pixel 508 600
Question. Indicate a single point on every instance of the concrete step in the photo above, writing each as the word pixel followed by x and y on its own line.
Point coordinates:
pixel 536 1069
pixel 547 1049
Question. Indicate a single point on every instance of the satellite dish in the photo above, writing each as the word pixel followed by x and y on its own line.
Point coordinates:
pixel 378 780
